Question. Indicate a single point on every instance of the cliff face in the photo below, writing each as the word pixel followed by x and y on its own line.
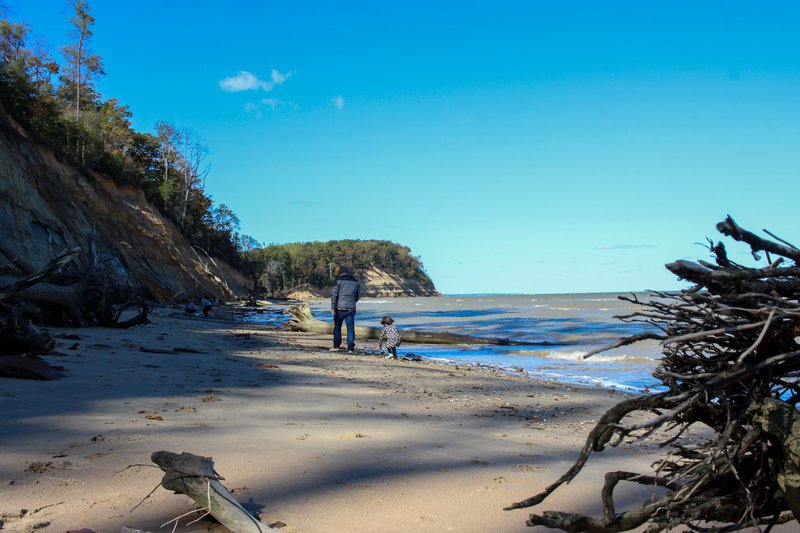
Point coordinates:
pixel 47 206
pixel 380 283
pixel 377 283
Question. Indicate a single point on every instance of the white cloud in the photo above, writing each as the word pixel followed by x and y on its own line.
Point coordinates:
pixel 247 81
pixel 338 101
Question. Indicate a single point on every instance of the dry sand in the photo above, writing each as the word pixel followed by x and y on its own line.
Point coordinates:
pixel 319 441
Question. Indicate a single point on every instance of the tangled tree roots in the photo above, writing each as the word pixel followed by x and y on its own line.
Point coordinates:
pixel 731 360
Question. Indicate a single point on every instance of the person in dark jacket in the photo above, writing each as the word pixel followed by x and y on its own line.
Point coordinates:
pixel 344 297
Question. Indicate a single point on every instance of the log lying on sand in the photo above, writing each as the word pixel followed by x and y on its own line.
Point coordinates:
pixel 303 320
pixel 20 366
pixel 194 476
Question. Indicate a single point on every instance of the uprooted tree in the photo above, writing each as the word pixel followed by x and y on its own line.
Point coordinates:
pixel 730 367
pixel 94 295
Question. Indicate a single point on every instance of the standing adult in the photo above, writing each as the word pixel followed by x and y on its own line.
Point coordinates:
pixel 344 297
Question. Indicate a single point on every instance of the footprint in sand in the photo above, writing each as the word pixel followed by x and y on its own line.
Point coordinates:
pixel 98 455
pixel 351 435
pixel 529 468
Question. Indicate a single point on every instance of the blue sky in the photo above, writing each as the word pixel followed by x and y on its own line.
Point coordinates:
pixel 517 146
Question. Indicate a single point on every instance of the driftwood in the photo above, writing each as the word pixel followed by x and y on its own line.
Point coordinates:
pixel 303 320
pixel 137 320
pixel 30 296
pixel 19 366
pixel 20 339
pixel 27 337
pixel 16 285
pixel 731 364
pixel 170 351
pixel 96 295
pixel 194 476
pixel 32 286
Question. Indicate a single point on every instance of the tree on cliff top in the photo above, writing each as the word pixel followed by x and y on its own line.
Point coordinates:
pixel 82 66
pixel 731 364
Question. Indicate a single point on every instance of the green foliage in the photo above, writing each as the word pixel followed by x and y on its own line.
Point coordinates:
pixel 12 41
pixel 71 118
pixel 16 90
pixel 283 266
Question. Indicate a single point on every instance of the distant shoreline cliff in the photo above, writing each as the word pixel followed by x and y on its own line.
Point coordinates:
pixel 308 270
pixel 376 283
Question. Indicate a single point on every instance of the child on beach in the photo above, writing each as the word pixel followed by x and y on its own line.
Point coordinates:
pixel 390 336
pixel 206 305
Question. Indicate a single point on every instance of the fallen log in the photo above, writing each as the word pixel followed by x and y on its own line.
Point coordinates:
pixel 22 367
pixel 194 476
pixel 32 287
pixel 138 320
pixel 303 320
pixel 16 285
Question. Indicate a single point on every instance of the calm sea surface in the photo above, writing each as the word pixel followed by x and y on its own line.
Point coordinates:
pixel 572 323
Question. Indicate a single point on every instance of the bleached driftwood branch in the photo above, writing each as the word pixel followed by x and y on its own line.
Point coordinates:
pixel 194 476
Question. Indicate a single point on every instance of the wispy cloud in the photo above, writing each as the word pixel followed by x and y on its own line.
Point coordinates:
pixel 247 81
pixel 338 101
pixel 273 103
pixel 623 246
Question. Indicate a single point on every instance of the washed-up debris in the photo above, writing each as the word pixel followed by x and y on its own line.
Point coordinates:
pixel 28 367
pixel 194 476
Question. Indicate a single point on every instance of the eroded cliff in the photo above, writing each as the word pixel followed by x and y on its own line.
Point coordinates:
pixel 47 206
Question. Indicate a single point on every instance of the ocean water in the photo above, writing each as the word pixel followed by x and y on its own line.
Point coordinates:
pixel 572 323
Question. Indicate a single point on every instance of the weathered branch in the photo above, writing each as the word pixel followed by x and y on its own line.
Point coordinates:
pixel 194 476
pixel 730 228
pixel 624 342
pixel 19 285
pixel 595 442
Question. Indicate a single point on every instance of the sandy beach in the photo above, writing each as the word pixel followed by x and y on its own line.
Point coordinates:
pixel 315 441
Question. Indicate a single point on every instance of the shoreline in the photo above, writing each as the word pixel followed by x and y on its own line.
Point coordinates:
pixel 540 365
pixel 319 441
